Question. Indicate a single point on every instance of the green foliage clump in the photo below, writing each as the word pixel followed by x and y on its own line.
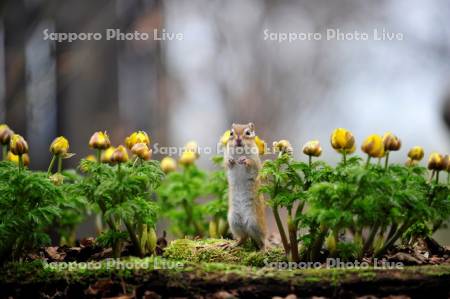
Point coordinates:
pixel 29 204
pixel 180 196
pixel 74 208
pixel 123 194
pixel 375 205
pixel 217 206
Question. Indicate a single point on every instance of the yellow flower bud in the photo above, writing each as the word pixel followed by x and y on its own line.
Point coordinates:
pixel 5 134
pixel 91 158
pixel 18 145
pixel 312 148
pixel 106 155
pixel 137 137
pixel 282 146
pixel 192 146
pixel 373 146
pixel 99 140
pixel 59 146
pixel 187 158
pixel 349 151
pixel 352 150
pixel 447 163
pixel 261 144
pixel 225 137
pixel 15 159
pixel 416 153
pixel 142 151
pixel 342 140
pixel 168 164
pixel 57 179
pixel 120 155
pixel 330 243
pixel 437 162
pixel 391 142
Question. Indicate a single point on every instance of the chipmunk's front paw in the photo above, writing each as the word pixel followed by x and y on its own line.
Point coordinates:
pixel 244 161
pixel 231 162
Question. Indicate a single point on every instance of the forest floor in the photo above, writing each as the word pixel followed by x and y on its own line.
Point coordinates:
pixel 211 269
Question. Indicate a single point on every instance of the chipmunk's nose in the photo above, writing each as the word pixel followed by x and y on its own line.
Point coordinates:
pixel 239 142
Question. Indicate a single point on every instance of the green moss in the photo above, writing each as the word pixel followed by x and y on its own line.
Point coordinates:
pixel 367 275
pixel 38 271
pixel 221 251
pixel 209 260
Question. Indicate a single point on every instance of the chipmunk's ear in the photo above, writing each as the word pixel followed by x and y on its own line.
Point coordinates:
pixel 251 126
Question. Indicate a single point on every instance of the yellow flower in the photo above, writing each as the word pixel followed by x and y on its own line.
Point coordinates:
pixel 100 141
pixel 342 140
pixel 373 146
pixel 391 142
pixel 225 137
pixel 59 146
pixel 447 163
pixel 352 150
pixel 437 162
pixel 168 164
pixel 137 137
pixel 416 153
pixel 91 158
pixel 187 158
pixel 106 155
pixel 15 158
pixel 18 145
pixel 192 146
pixel 5 134
pixel 142 151
pixel 261 144
pixel 312 148
pixel 282 146
pixel 120 155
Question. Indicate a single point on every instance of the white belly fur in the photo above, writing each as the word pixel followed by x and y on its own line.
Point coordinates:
pixel 244 201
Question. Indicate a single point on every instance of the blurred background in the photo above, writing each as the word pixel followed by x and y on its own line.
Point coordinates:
pixel 224 71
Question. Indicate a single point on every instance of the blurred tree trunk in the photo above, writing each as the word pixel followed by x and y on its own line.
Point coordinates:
pixel 142 74
pixel 87 92
pixel 15 70
pixel 86 80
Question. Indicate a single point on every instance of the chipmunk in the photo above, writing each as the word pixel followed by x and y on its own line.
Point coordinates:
pixel 246 212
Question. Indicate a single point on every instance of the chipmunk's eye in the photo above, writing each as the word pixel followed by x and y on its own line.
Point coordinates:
pixel 248 133
pixel 231 133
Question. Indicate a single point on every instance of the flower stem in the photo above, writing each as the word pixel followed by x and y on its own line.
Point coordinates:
pixel 386 161
pixel 292 229
pixel 437 177
pixel 316 246
pixel 134 238
pixel 310 161
pixel 20 163
pixel 4 151
pixel 135 161
pixel 432 175
pixel 344 156
pixel 50 167
pixel 99 155
pixel 59 163
pixel 369 241
pixel 368 161
pixel 119 171
pixel 284 239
